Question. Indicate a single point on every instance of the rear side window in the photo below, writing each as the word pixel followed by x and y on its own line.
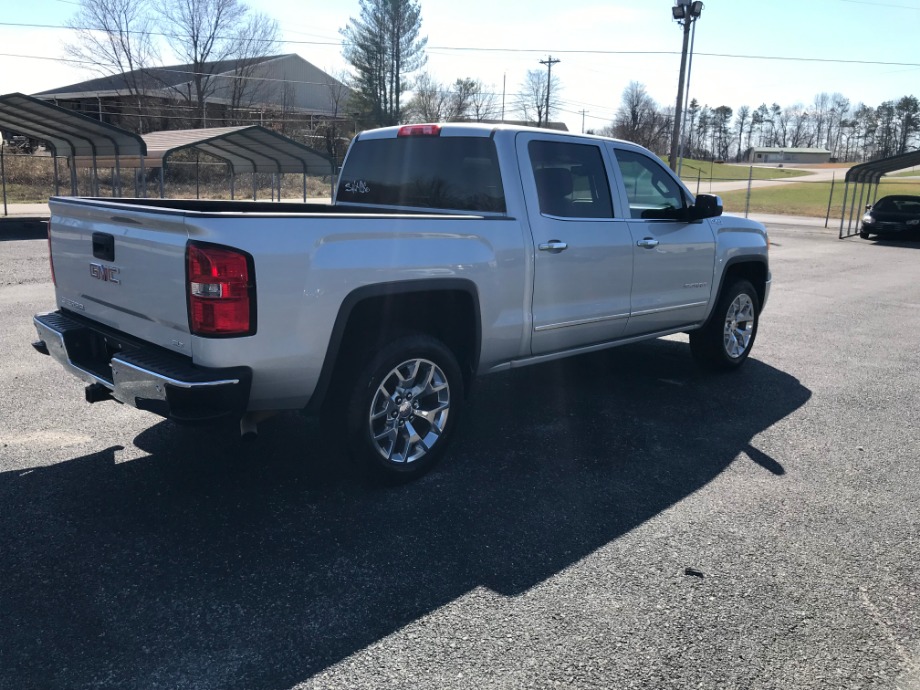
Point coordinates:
pixel 450 173
pixel 571 180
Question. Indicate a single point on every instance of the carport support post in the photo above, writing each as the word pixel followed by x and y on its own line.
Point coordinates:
pixel 859 206
pixel 72 164
pixel 3 178
pixel 830 199
pixel 254 184
pixel 852 206
pixel 197 177
pixel 843 211
pixel 57 182
pixel 162 178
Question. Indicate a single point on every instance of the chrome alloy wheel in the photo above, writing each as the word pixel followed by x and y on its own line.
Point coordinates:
pixel 739 326
pixel 409 411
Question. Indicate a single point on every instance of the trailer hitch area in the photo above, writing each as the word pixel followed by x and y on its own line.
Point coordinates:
pixel 96 392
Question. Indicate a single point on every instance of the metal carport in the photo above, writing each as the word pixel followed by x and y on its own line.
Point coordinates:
pixel 863 177
pixel 71 135
pixel 253 149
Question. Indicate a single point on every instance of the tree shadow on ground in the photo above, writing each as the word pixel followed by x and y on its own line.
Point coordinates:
pixel 210 564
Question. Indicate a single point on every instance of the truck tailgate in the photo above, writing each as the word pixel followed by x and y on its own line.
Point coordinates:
pixel 123 267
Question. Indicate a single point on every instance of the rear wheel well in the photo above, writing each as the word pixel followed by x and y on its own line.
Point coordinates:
pixel 449 315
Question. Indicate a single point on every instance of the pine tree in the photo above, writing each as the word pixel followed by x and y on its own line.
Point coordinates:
pixel 383 47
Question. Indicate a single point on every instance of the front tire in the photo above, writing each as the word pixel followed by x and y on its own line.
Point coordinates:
pixel 403 408
pixel 725 342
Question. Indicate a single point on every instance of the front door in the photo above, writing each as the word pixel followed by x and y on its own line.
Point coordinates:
pixel 674 259
pixel 583 262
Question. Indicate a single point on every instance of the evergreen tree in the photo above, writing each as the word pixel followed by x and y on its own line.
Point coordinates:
pixel 383 47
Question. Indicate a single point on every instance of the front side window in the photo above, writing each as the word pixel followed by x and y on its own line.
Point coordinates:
pixel 651 191
pixel 449 173
pixel 571 180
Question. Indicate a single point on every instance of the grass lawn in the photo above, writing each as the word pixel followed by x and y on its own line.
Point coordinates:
pixel 706 170
pixel 913 172
pixel 807 199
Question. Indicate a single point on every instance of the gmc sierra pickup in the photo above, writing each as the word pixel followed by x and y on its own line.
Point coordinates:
pixel 449 251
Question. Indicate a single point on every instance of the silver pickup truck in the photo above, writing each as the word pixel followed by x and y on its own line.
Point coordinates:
pixel 450 251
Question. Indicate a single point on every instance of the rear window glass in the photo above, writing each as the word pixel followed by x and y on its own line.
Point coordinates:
pixel 451 173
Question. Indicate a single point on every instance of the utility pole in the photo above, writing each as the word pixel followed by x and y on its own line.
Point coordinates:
pixel 549 62
pixel 685 12
pixel 583 121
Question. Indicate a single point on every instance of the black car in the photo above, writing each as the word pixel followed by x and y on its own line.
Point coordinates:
pixel 891 215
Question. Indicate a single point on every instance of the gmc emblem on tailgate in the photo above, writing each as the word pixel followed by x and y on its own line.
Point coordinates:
pixel 109 274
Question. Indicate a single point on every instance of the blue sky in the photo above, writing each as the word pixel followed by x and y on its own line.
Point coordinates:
pixel 746 51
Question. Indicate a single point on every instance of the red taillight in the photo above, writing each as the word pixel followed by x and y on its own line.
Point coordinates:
pixel 51 257
pixel 419 131
pixel 221 291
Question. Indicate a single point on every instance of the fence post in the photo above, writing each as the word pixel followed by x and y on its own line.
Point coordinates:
pixel 830 199
pixel 747 201
pixel 699 174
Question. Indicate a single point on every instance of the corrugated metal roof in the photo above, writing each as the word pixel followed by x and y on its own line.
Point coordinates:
pixel 68 133
pixel 272 81
pixel 873 170
pixel 247 149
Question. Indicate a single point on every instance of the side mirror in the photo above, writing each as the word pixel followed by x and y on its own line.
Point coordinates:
pixel 868 207
pixel 706 206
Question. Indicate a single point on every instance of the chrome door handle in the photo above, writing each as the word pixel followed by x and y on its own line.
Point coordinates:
pixel 647 243
pixel 554 247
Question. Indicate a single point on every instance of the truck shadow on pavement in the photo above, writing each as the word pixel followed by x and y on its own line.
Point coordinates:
pixel 211 564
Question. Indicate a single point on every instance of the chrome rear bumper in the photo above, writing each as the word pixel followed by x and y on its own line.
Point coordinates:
pixel 139 374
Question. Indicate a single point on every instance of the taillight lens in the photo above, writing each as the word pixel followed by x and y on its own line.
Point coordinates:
pixel 221 291
pixel 51 256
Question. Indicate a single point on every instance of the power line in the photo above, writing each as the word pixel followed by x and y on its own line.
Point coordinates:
pixel 583 51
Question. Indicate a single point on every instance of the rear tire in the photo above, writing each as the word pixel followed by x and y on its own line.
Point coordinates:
pixel 403 407
pixel 725 342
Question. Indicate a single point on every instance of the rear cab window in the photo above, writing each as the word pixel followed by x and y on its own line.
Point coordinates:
pixel 445 173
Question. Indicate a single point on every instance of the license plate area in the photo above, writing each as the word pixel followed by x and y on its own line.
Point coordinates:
pixel 92 351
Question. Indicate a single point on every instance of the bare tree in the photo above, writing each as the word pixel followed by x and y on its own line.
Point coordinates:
pixel 743 123
pixel 115 38
pixel 257 38
pixel 532 97
pixel 638 118
pixel 483 103
pixel 431 102
pixel 202 32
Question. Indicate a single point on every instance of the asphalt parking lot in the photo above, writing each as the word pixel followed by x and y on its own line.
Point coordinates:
pixel 620 520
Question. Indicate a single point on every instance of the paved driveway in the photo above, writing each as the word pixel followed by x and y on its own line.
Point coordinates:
pixel 619 520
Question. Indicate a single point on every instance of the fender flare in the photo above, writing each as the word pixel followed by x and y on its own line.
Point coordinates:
pixel 391 289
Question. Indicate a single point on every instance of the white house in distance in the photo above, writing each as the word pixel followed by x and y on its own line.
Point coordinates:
pixel 778 154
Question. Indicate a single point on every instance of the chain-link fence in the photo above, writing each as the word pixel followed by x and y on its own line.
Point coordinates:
pixel 30 179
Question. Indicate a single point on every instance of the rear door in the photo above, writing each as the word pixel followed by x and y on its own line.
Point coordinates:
pixel 583 253
pixel 673 259
pixel 123 267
